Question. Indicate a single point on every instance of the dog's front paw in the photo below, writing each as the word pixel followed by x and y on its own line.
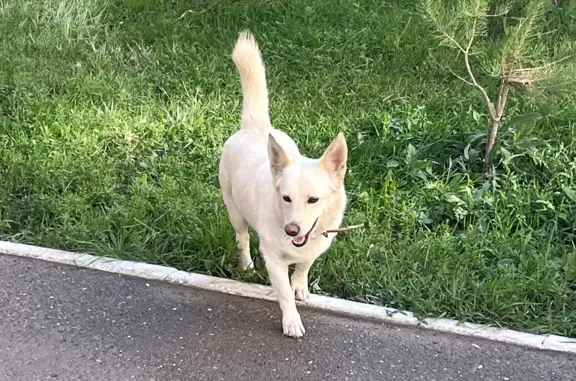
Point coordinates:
pixel 300 289
pixel 292 326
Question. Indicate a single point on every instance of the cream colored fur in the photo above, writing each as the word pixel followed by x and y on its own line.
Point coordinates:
pixel 259 167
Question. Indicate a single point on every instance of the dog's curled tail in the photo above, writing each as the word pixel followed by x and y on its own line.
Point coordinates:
pixel 248 61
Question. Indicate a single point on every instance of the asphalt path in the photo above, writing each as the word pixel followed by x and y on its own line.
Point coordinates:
pixel 61 322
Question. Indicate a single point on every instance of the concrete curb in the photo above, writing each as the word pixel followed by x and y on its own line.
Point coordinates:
pixel 228 286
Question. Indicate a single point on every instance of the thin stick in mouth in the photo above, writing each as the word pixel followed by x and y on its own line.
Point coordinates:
pixel 343 230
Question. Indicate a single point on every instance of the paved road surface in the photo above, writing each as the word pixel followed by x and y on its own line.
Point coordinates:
pixel 63 323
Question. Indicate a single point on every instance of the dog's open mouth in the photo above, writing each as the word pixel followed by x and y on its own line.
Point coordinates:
pixel 303 239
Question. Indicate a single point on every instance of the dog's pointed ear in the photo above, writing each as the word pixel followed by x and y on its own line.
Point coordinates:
pixel 279 159
pixel 334 159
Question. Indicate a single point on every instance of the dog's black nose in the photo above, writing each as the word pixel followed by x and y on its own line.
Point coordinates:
pixel 292 230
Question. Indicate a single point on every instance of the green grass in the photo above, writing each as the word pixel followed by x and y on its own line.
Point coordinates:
pixel 113 114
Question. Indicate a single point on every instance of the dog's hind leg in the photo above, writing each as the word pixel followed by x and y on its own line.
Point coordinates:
pixel 299 280
pixel 241 228
pixel 243 242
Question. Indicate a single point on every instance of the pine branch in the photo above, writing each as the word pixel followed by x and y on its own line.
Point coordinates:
pixel 515 49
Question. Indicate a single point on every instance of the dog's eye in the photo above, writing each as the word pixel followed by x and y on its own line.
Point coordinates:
pixel 286 198
pixel 312 200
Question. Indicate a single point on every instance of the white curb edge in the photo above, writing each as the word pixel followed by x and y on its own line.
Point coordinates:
pixel 228 286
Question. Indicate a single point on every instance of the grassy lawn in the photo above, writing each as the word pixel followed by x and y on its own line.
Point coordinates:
pixel 113 114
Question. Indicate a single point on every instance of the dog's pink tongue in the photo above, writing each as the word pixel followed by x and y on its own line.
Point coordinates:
pixel 300 239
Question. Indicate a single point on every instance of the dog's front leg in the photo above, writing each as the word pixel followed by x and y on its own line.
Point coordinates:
pixel 278 274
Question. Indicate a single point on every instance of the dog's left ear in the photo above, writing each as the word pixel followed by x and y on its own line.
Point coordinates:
pixel 334 159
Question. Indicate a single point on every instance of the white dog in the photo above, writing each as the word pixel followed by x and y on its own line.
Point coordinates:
pixel 290 200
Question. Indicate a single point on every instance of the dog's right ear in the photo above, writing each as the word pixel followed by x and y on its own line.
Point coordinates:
pixel 279 159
